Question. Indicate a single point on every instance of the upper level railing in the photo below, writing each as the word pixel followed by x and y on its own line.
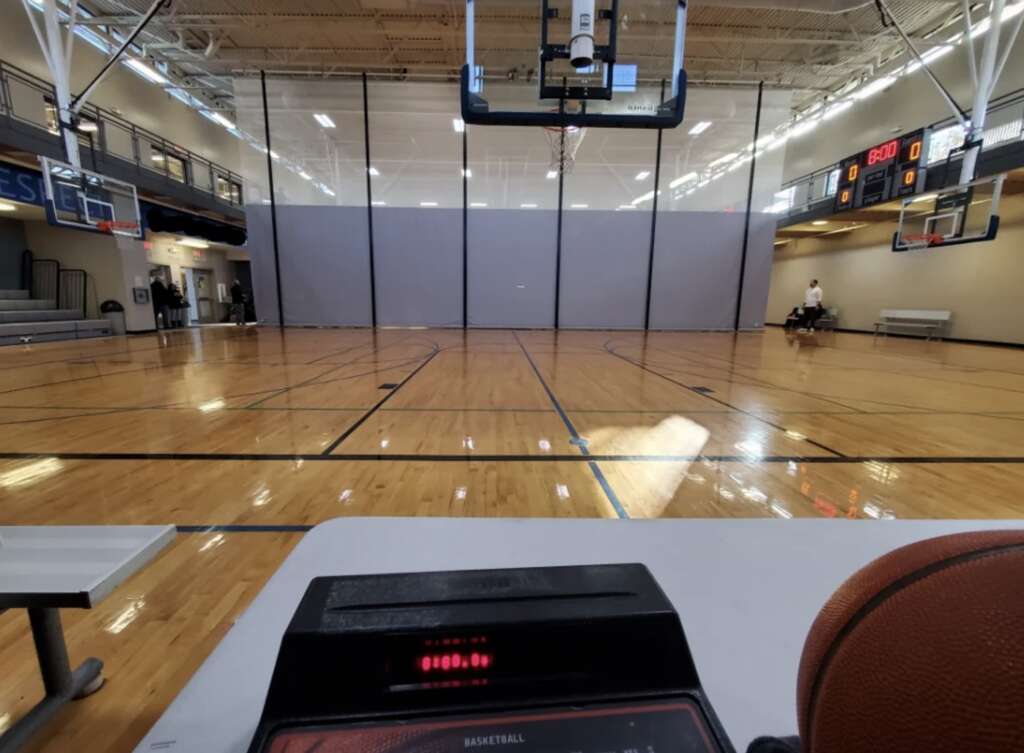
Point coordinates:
pixel 29 99
pixel 1004 125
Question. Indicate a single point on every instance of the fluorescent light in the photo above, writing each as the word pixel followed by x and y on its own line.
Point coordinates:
pixel 578 206
pixel 702 126
pixel 458 125
pixel 216 117
pixel 926 197
pixel 478 204
pixel 552 174
pixel 5 207
pixel 820 222
pixel 87 126
pixel 645 197
pixel 274 155
pixel 324 120
pixel 726 158
pixel 468 173
pixel 874 87
pixel 146 71
pixel 327 191
pixel 684 179
pixel 379 203
pixel 304 175
pixel 374 171
pixel 642 175
pixel 625 206
pixel 193 243
pixel 527 206
pixel 428 203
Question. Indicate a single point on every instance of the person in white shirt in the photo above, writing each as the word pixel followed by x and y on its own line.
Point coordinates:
pixel 812 306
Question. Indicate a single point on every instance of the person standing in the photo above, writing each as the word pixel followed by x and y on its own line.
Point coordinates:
pixel 812 306
pixel 176 302
pixel 237 303
pixel 161 311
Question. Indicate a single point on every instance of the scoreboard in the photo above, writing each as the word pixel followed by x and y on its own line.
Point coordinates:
pixel 884 172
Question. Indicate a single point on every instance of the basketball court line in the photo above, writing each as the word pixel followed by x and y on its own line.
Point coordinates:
pixel 281 391
pixel 763 420
pixel 348 432
pixel 754 381
pixel 752 460
pixel 594 468
pixel 925 360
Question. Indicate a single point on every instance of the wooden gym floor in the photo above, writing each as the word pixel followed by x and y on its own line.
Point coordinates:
pixel 244 438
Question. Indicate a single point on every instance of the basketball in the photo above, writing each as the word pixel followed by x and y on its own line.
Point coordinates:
pixel 921 651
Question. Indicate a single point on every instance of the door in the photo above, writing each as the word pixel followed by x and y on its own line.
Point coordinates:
pixel 203 283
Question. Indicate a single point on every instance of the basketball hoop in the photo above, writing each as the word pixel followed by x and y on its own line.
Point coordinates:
pixel 573 138
pixel 115 227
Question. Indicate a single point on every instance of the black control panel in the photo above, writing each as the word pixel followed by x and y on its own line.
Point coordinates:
pixel 575 659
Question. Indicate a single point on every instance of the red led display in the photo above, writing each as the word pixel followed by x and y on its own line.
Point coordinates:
pixel 454 661
pixel 884 152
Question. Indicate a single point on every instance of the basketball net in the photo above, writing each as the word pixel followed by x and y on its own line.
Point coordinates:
pixel 568 139
pixel 923 240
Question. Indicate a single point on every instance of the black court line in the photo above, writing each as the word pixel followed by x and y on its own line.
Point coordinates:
pixel 481 458
pixel 613 499
pixel 283 528
pixel 348 432
pixel 734 378
pixel 756 417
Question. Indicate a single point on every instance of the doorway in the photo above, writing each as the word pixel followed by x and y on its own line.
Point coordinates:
pixel 199 287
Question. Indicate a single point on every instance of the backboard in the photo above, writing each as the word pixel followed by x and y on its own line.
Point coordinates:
pixel 87 200
pixel 952 216
pixel 582 63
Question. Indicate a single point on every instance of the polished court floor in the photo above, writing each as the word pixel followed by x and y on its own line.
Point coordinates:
pixel 246 437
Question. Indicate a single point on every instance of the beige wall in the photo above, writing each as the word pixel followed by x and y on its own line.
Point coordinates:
pixel 979 282
pixel 134 98
pixel 112 265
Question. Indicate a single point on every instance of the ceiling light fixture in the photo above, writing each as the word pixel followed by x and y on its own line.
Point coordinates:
pixel 324 120
pixel 702 126
pixel 146 71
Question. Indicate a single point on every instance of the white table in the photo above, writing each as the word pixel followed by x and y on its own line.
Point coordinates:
pixel 746 590
pixel 46 568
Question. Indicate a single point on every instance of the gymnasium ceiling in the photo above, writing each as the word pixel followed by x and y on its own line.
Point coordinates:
pixel 729 42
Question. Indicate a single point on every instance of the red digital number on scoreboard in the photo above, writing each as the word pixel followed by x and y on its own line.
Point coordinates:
pixel 884 152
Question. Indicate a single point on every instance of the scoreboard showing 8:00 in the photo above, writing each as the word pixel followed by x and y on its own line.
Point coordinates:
pixel 884 172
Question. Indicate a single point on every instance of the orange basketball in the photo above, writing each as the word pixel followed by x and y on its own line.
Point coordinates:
pixel 922 651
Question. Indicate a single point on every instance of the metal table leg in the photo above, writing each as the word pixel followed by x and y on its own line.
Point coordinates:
pixel 61 682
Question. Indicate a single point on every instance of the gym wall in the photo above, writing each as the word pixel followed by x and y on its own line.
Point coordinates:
pixel 512 276
pixel 978 282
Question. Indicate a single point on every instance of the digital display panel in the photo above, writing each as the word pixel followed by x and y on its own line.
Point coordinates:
pixel 884 172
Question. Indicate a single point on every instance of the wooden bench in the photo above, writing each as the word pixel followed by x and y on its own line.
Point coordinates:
pixel 929 321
